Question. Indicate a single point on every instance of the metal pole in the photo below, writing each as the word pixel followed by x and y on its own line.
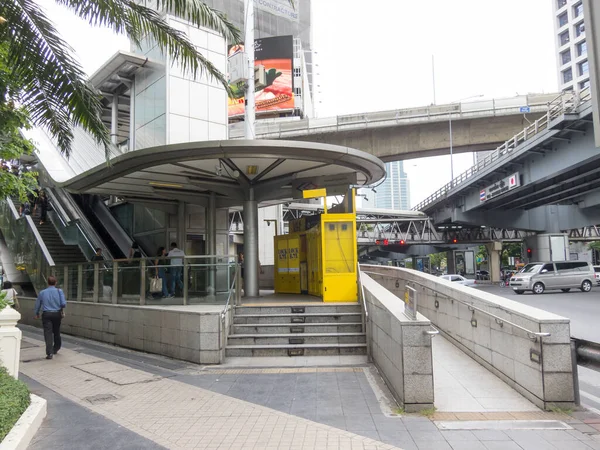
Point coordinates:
pixel 250 113
pixel 251 246
pixel 451 156
pixel 433 76
pixel 114 122
pixel 211 226
pixel 576 395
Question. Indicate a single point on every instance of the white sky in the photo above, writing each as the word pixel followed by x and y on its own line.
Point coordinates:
pixel 376 55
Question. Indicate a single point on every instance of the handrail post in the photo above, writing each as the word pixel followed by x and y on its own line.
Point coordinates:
pixel 79 282
pixel 115 283
pixel 143 282
pixel 66 286
pixel 95 295
pixel 238 285
pixel 185 281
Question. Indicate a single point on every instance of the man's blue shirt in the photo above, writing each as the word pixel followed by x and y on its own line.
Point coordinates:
pixel 50 299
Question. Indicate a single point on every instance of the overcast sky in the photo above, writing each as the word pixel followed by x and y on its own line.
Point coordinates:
pixel 376 55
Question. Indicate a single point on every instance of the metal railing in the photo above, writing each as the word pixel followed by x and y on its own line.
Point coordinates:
pixel 564 103
pixel 25 243
pixel 205 279
pixel 532 335
pixel 433 113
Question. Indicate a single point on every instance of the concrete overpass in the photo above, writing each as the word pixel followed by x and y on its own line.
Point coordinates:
pixel 413 132
pixel 545 179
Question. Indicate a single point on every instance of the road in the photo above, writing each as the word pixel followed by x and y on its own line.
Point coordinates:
pixel 584 311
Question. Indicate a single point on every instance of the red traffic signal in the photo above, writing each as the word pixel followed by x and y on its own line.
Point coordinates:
pixel 455 241
pixel 529 252
pixel 386 242
pixel 401 242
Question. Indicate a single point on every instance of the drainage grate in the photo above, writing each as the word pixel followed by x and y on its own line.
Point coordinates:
pixel 296 330
pixel 296 340
pixel 296 352
pixel 101 398
pixel 298 309
pixel 298 319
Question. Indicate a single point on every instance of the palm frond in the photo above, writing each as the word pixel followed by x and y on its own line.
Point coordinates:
pixel 55 92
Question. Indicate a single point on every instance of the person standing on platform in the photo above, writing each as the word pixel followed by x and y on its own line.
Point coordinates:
pixel 51 304
pixel 176 268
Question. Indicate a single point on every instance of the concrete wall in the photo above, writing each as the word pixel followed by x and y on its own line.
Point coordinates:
pixel 400 347
pixel 540 370
pixel 189 335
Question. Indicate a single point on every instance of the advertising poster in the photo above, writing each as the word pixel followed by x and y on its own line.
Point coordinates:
pixel 276 55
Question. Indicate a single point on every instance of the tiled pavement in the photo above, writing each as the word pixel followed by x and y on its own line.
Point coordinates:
pixel 174 404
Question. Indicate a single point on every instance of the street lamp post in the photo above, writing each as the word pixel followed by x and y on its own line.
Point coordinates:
pixel 450 130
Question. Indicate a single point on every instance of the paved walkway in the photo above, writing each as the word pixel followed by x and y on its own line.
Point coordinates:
pixel 463 385
pixel 150 402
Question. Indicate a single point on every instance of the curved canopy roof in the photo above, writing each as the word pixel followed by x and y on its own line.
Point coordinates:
pixel 235 170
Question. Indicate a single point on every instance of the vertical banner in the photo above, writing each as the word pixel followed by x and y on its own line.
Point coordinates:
pixel 276 56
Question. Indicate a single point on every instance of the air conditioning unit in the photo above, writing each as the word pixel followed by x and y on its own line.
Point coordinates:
pixel 238 72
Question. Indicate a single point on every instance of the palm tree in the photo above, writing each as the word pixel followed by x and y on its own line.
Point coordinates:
pixel 55 92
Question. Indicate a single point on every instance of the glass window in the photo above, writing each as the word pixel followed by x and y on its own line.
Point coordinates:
pixel 548 267
pixel 584 84
pixel 583 67
pixel 578 10
pixel 565 56
pixel 560 3
pixel 564 38
pixel 582 48
pixel 567 75
pixel 563 19
pixel 579 29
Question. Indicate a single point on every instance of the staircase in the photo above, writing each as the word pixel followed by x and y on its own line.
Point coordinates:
pixel 60 252
pixel 303 330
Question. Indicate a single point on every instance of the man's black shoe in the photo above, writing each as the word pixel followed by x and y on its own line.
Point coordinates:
pixel 55 351
pixel 49 357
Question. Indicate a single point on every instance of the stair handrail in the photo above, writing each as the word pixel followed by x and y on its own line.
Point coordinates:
pixel 33 229
pixel 233 288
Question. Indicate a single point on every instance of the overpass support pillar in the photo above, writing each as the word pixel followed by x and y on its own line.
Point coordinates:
pixel 251 263
pixel 450 262
pixel 494 251
pixel 548 247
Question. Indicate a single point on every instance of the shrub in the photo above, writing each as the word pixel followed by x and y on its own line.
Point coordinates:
pixel 14 400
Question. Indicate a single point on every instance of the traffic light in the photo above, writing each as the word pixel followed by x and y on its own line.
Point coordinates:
pixel 401 242
pixel 529 252
pixel 386 242
pixel 455 241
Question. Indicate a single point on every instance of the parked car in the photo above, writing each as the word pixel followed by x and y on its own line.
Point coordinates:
pixel 482 275
pixel 563 275
pixel 597 272
pixel 459 279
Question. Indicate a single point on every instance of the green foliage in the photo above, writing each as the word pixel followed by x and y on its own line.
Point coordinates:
pixel 3 303
pixel 511 249
pixel 12 143
pixel 53 88
pixel 14 400
pixel 595 245
pixel 438 260
pixel 428 412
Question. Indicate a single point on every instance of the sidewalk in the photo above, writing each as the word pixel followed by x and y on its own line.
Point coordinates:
pixel 119 399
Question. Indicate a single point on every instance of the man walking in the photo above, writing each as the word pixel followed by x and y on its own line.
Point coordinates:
pixel 176 268
pixel 50 303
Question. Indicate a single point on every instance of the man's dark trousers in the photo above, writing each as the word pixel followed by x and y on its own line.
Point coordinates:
pixel 51 322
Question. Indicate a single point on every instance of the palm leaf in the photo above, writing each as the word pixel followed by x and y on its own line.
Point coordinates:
pixel 55 92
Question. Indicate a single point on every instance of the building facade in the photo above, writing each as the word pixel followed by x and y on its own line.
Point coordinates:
pixel 394 192
pixel 571 45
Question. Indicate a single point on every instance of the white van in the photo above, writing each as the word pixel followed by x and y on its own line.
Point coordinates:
pixel 563 275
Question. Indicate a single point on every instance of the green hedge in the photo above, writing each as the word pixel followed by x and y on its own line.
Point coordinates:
pixel 14 400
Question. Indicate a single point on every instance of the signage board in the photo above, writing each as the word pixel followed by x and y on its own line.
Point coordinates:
pixel 410 303
pixel 275 55
pixel 525 109
pixel 501 187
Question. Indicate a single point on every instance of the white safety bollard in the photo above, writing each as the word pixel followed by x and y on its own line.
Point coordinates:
pixel 10 340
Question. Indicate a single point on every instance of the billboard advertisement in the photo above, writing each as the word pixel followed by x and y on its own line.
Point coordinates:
pixel 276 56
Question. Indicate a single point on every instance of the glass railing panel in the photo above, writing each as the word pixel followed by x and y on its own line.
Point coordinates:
pixel 129 283
pixel 209 279
pixel 105 282
pixel 164 272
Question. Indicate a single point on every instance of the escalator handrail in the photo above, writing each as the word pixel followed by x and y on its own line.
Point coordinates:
pixel 34 230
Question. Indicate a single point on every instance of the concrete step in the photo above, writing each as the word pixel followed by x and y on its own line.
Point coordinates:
pixel 319 308
pixel 283 318
pixel 296 338
pixel 296 350
pixel 278 328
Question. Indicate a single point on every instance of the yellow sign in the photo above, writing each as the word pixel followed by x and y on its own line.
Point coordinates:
pixel 406 297
pixel 314 193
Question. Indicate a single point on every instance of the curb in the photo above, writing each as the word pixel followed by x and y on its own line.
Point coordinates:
pixel 28 424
